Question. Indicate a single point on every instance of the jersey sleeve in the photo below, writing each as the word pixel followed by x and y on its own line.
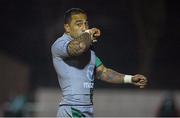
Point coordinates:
pixel 98 62
pixel 60 48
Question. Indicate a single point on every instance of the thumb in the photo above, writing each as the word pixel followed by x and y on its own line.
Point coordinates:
pixel 135 78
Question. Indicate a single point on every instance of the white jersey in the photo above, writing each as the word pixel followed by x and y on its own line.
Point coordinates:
pixel 75 74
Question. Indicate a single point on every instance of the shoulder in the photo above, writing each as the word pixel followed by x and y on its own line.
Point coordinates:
pixel 59 41
pixel 59 47
pixel 64 37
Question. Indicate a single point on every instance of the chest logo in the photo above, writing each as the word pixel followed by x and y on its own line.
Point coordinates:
pixel 90 72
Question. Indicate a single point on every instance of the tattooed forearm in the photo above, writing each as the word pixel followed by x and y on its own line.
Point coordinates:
pixel 110 76
pixel 79 45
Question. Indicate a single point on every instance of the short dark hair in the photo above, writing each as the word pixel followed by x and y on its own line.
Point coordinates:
pixel 70 12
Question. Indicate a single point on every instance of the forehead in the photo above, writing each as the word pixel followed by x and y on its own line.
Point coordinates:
pixel 78 17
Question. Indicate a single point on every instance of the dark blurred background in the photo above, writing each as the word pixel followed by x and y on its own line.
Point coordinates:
pixel 138 36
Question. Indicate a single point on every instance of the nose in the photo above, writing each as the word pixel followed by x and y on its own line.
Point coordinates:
pixel 84 27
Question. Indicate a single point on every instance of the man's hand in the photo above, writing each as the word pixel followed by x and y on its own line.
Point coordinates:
pixel 94 32
pixel 139 80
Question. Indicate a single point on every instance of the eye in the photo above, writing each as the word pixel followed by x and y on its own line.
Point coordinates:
pixel 79 24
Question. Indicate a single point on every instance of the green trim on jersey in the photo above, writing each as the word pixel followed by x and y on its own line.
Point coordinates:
pixel 77 113
pixel 98 62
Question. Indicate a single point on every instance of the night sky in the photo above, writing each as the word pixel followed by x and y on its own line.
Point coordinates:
pixel 137 37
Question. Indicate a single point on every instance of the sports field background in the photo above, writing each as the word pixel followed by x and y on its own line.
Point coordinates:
pixel 111 103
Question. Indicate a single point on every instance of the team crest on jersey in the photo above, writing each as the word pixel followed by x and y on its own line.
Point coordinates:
pixel 90 72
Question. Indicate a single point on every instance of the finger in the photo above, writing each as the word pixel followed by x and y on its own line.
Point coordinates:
pixel 144 80
pixel 96 34
pixel 140 76
pixel 98 31
pixel 95 31
pixel 141 86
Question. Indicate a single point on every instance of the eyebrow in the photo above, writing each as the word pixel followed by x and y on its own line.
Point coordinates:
pixel 79 21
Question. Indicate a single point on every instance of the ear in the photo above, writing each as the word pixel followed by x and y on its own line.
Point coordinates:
pixel 67 28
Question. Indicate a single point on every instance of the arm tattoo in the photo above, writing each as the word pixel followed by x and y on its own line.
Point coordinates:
pixel 79 44
pixel 110 76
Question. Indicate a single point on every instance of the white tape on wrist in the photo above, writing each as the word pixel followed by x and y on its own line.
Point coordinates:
pixel 88 31
pixel 128 79
pixel 93 40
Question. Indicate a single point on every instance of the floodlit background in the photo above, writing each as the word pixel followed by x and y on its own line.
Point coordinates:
pixel 138 36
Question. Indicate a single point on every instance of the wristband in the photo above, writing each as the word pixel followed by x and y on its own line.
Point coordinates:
pixel 88 31
pixel 128 79
pixel 92 37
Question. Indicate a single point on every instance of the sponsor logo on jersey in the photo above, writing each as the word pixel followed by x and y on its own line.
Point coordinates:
pixel 88 85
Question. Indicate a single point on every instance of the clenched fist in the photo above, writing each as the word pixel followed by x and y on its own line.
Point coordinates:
pixel 94 32
pixel 139 80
